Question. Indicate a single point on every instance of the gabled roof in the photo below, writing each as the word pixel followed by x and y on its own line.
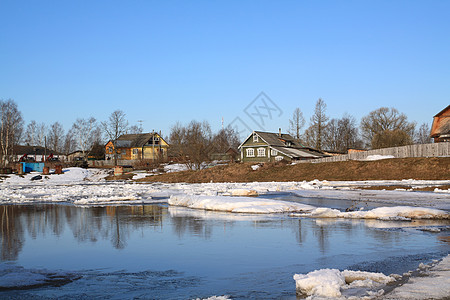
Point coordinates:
pixel 441 123
pixel 135 140
pixel 33 150
pixel 286 144
pixel 274 139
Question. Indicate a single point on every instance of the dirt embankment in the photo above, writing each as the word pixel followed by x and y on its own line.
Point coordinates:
pixel 387 169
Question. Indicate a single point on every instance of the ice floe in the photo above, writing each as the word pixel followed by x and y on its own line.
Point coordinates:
pixel 332 283
pixel 397 213
pixel 237 204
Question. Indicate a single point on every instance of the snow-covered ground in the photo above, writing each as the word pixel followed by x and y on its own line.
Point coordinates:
pixel 88 187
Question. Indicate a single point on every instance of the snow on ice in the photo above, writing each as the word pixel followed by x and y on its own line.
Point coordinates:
pixel 397 213
pixel 237 204
pixel 333 283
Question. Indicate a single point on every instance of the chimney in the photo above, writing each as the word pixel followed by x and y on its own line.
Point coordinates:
pixel 279 132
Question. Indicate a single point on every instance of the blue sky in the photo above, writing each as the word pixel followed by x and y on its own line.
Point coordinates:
pixel 168 61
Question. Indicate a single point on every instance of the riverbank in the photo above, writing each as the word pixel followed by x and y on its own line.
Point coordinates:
pixel 435 168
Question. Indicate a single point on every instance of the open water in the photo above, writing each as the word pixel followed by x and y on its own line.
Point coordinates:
pixel 161 252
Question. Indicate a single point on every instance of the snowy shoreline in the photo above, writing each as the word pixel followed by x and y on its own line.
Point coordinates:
pixel 88 187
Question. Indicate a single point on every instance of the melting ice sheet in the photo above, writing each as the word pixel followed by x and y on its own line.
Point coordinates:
pixel 238 204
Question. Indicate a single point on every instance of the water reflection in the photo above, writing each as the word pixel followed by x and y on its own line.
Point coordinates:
pixel 117 223
pixel 86 224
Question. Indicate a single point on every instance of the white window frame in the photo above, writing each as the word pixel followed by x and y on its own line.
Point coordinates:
pixel 273 152
pixel 250 152
pixel 261 152
pixel 255 138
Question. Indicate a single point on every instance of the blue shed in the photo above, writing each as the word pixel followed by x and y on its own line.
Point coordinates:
pixel 28 167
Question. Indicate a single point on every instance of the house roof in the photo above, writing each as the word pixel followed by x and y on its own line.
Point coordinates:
pixel 287 145
pixel 33 150
pixel 441 123
pixel 135 140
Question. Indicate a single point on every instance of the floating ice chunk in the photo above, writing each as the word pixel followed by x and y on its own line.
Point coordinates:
pixel 324 283
pixel 244 192
pixel 237 204
pixel 397 213
pixel 332 283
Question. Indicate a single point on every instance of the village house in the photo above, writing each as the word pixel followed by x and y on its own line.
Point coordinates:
pixel 36 154
pixel 440 130
pixel 269 147
pixel 145 146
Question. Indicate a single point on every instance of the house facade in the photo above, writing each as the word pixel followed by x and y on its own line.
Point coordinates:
pixel 269 147
pixel 145 146
pixel 440 130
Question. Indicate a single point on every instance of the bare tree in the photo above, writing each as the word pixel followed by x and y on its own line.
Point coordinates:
pixel 192 143
pixel 116 126
pixel 135 129
pixel 423 134
pixel 56 137
pixel 70 144
pixel 386 121
pixel 31 134
pixel 342 134
pixel 85 133
pixel 296 123
pixel 11 128
pixel 315 133
pixel 391 138
pixel 225 139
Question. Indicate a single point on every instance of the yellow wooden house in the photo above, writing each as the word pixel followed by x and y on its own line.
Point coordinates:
pixel 145 146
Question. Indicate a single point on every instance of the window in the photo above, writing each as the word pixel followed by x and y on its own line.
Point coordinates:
pixel 261 152
pixel 135 151
pixel 250 152
pixel 274 152
pixel 255 138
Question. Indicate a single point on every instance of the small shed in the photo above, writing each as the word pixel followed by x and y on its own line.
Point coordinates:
pixel 28 167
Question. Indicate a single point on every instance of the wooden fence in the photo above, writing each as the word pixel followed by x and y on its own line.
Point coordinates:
pixel 422 150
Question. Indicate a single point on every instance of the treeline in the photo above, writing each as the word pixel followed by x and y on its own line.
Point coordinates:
pixel 86 134
pixel 381 128
pixel 195 142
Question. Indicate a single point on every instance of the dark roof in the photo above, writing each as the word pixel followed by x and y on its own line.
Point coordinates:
pixel 276 139
pixel 33 150
pixel 287 145
pixel 135 140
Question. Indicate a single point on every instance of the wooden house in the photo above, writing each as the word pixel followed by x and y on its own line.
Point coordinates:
pixel 269 147
pixel 36 154
pixel 137 147
pixel 440 130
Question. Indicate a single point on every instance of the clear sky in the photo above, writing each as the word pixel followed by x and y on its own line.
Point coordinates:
pixel 168 61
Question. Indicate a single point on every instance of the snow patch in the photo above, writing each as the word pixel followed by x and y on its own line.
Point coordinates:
pixel 378 157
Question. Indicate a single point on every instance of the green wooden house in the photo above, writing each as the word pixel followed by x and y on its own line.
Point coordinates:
pixel 262 146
